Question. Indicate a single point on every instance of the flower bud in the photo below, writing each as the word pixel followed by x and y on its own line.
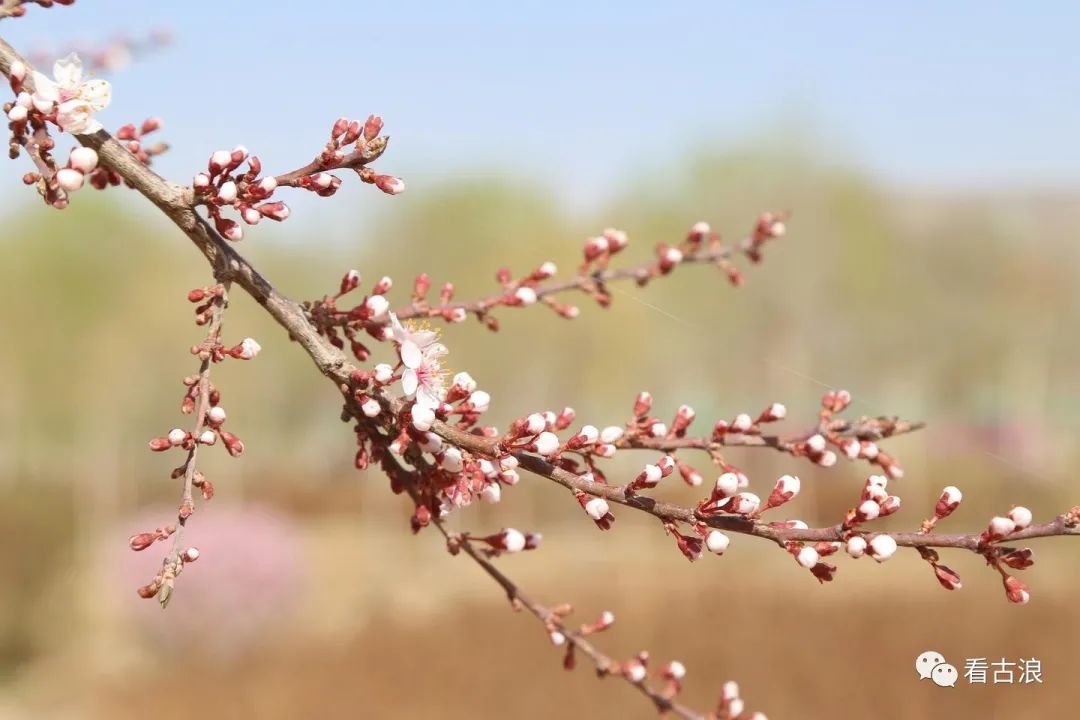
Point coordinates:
pixel 717 542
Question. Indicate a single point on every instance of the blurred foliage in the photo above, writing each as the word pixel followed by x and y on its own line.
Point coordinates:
pixel 952 309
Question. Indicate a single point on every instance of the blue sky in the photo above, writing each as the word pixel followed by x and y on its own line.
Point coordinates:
pixel 927 95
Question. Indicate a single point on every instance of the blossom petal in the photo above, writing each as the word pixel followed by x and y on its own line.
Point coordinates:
pixel 96 93
pixel 75 117
pixel 68 71
pixel 411 355
pixel 409 381
pixel 428 396
pixel 45 89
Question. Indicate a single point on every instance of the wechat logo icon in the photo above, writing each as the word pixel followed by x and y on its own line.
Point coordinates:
pixel 932 665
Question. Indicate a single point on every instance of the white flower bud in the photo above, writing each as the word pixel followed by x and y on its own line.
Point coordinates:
pixel 68 179
pixel 177 436
pixel 227 192
pixel 816 443
pixel 208 437
pixel 1021 516
pixel 383 373
pixel 807 557
pixel 480 400
pixel 882 547
pixel 856 546
pixel 611 434
pixel 717 542
pixel 727 484
pixel 513 540
pixel 525 295
pixel 535 424
pixel 216 415
pixel 451 461
pixel 869 510
pixel 491 493
pixel 547 444
pixel 249 348
pixel 465 381
pixel 378 306
pixel 597 508
pixel 422 417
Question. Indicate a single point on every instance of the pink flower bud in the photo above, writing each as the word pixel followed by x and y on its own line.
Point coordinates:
pixel 232 443
pixel 390 184
pixel 948 579
pixel 786 488
pixel 230 230
pixel 274 210
pixel 890 505
pixel 201 181
pixel 1016 591
pixel 372 127
pixel 643 404
pixel 596 508
pixel 17 71
pixel 141 541
pixel 949 501
pixel 744 504
pixel 190 555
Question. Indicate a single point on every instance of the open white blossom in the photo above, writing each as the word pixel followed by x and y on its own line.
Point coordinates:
pixel 412 340
pixel 425 381
pixel 74 99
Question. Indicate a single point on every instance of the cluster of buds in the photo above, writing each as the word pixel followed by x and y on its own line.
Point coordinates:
pixel 249 194
pixel 367 146
pixel 223 186
pixel 874 502
pixel 855 447
pixel 343 327
pixel 1001 528
pixel 769 226
pixel 732 707
pixel 203 400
